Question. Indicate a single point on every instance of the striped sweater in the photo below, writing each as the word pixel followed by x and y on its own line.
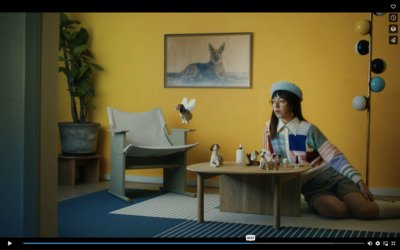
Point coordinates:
pixel 306 141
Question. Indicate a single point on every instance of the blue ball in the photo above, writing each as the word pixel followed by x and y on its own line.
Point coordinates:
pixel 377 84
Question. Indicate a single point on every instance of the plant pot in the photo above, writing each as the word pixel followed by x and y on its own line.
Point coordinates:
pixel 79 138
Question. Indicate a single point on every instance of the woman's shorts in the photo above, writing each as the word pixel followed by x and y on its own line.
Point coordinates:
pixel 329 182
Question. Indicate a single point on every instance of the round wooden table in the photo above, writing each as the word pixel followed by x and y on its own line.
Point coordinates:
pixel 234 172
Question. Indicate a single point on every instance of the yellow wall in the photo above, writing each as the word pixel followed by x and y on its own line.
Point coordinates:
pixel 313 50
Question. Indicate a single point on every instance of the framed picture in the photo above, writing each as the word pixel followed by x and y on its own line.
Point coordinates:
pixel 220 60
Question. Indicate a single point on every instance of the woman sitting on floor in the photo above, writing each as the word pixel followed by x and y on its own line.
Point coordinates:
pixel 332 188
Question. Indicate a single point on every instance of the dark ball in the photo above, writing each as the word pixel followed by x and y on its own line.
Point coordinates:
pixel 362 47
pixel 378 66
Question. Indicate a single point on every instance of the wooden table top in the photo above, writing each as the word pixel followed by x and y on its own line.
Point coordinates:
pixel 230 167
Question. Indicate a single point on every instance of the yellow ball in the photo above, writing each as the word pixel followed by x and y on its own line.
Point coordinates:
pixel 363 26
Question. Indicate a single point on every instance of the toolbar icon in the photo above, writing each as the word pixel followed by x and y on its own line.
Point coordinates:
pixel 393 28
pixel 393 17
pixel 393 40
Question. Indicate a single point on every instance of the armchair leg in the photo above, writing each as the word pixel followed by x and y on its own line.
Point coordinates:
pixel 175 180
pixel 117 182
pixel 117 168
pixel 123 197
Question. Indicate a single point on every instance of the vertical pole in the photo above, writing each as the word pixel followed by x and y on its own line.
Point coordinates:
pixel 369 102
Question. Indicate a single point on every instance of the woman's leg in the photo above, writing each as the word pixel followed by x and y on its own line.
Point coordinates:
pixel 355 204
pixel 360 207
pixel 330 206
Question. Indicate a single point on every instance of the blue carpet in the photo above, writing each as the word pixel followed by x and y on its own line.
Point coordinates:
pixel 89 216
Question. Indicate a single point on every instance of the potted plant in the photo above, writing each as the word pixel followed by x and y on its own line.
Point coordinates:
pixel 78 137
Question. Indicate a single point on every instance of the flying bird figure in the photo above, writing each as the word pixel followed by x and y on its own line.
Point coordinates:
pixel 185 109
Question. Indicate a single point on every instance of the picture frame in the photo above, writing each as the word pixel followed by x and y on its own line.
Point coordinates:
pixel 212 60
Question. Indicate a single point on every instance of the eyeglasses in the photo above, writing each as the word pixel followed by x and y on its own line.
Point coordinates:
pixel 280 100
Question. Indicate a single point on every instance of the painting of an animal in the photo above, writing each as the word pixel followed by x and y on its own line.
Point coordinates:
pixel 216 60
pixel 213 70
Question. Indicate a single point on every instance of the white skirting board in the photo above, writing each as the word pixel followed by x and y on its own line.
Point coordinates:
pixel 213 183
pixel 386 191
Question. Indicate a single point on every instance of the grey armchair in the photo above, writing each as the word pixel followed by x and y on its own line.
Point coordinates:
pixel 140 141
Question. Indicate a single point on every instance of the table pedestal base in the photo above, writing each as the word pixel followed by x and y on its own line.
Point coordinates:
pixel 255 194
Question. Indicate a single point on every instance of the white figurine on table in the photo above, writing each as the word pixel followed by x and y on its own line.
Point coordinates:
pixel 216 159
pixel 262 159
pixel 254 155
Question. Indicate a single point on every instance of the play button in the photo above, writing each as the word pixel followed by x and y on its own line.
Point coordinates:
pixel 9 243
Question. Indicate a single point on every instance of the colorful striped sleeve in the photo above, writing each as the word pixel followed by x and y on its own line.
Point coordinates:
pixel 331 154
pixel 266 142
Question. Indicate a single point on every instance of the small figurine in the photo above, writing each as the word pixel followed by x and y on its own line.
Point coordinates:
pixel 216 159
pixel 249 163
pixel 254 155
pixel 185 109
pixel 277 162
pixel 270 164
pixel 262 159
pixel 252 159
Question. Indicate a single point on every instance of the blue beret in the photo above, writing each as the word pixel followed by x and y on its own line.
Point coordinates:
pixel 288 86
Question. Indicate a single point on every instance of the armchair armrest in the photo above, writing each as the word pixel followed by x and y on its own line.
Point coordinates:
pixel 116 131
pixel 178 136
pixel 118 141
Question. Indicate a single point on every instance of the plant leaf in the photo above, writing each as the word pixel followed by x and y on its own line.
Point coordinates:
pixel 78 38
pixel 82 70
pixel 80 48
pixel 97 67
pixel 90 92
pixel 66 23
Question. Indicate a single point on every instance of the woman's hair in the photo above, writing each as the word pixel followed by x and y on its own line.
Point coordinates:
pixel 294 103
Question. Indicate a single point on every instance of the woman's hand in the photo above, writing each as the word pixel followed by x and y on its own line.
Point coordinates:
pixel 365 191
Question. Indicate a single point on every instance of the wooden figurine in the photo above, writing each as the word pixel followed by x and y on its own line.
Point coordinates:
pixel 277 162
pixel 270 164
